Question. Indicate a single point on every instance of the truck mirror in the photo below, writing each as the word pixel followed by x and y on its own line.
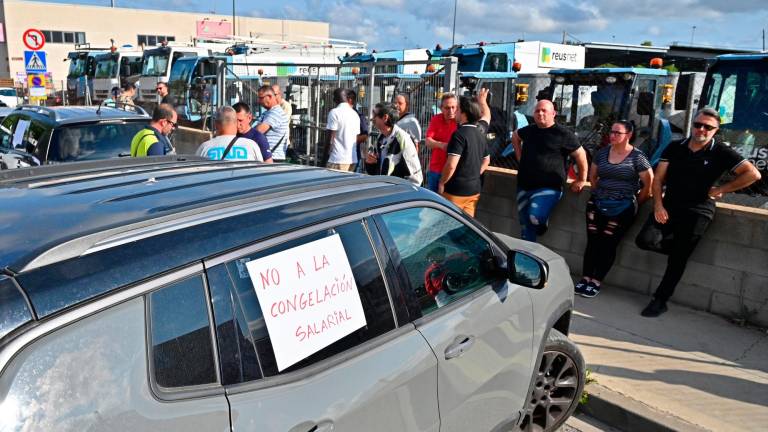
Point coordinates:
pixel 645 103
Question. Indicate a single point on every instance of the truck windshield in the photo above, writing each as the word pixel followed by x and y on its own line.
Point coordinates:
pixel 738 90
pixel 181 76
pixel 106 67
pixel 156 64
pixel 77 67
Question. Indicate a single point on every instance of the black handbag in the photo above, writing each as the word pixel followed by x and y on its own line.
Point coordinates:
pixel 655 237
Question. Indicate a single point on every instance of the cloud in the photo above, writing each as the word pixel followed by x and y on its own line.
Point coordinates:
pixel 654 30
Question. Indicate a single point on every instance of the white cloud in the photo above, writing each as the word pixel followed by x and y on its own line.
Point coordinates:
pixel 654 30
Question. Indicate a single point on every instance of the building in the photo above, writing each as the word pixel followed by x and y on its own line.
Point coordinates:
pixel 64 25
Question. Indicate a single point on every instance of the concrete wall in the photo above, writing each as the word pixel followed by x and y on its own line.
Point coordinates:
pixel 101 24
pixel 727 274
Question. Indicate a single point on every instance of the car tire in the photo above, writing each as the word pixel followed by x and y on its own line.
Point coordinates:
pixel 557 386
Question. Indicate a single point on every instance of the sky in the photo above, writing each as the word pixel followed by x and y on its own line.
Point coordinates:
pixel 397 24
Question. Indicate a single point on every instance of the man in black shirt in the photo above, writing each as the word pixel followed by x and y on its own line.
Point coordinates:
pixel 689 169
pixel 542 150
pixel 467 154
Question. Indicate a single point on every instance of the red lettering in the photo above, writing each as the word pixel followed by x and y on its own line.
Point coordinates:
pixel 300 334
pixel 323 263
pixel 270 276
pixel 272 310
pixel 299 270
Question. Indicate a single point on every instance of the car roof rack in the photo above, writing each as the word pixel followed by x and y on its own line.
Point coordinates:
pixel 123 106
pixel 39 109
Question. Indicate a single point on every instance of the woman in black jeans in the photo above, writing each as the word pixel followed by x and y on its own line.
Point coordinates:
pixel 615 174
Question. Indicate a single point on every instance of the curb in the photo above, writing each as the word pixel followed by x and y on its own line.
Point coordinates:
pixel 627 414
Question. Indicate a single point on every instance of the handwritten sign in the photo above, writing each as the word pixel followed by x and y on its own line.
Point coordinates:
pixel 308 297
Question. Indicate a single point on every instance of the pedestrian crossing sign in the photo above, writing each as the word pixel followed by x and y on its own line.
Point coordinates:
pixel 35 62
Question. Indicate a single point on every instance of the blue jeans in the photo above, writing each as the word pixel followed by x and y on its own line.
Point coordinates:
pixel 534 208
pixel 433 178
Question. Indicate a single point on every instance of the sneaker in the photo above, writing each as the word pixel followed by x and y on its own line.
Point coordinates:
pixel 580 286
pixel 654 308
pixel 591 290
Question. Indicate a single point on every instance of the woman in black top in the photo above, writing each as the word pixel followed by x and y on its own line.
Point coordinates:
pixel 616 173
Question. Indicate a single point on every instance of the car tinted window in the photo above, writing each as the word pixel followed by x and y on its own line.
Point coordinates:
pixel 93 141
pixel 6 131
pixel 443 258
pixel 245 325
pixel 7 92
pixel 182 349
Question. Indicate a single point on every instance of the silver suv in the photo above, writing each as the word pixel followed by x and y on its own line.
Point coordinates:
pixel 172 294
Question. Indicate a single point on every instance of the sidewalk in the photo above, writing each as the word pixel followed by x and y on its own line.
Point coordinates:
pixel 684 370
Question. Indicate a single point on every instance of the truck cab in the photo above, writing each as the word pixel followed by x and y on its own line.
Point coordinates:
pixel 589 100
pixel 737 87
pixel 112 68
pixel 156 67
pixel 80 75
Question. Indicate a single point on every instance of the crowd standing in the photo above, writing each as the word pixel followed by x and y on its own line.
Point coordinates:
pixel 621 177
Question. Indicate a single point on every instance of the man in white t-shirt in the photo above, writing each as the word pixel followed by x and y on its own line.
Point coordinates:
pixel 344 126
pixel 226 133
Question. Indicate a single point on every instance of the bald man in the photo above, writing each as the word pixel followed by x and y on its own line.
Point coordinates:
pixel 542 150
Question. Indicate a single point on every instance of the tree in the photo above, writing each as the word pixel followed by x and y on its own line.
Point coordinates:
pixel 646 43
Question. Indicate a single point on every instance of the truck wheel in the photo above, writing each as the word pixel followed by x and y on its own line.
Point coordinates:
pixel 557 387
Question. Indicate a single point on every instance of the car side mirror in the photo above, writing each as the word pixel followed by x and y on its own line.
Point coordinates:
pixel 526 270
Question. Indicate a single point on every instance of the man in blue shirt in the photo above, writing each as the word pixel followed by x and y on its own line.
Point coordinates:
pixel 273 123
pixel 244 129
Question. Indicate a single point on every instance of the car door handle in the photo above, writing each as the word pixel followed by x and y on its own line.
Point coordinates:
pixel 459 346
pixel 326 426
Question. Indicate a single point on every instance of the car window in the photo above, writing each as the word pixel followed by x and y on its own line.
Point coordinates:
pixel 93 141
pixel 444 260
pixel 182 347
pixel 6 131
pixel 7 92
pixel 246 349
pixel 36 139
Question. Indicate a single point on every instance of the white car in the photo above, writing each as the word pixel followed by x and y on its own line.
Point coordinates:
pixel 8 96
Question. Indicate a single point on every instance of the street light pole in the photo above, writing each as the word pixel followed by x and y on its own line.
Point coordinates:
pixel 234 25
pixel 453 35
pixel 693 32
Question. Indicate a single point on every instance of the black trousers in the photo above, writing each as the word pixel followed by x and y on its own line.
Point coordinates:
pixel 603 236
pixel 687 229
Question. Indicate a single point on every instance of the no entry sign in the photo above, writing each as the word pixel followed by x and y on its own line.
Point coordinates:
pixel 34 39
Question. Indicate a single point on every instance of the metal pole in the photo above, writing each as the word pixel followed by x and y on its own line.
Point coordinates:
pixel 234 26
pixel 453 35
pixel 317 121
pixel 693 32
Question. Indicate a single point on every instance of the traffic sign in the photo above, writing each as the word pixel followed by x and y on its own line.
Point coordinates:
pixel 35 62
pixel 34 39
pixel 35 80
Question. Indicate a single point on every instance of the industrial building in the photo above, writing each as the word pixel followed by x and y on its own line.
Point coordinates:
pixel 65 25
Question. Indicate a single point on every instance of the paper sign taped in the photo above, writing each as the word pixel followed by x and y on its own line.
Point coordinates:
pixel 309 298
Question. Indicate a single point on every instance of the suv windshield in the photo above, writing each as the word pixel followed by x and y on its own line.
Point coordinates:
pixel 93 141
pixel 7 92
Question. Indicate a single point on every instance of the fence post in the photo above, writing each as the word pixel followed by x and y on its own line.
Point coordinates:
pixel 221 84
pixel 451 75
pixel 317 119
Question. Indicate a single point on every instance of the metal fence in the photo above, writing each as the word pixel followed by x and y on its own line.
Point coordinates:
pixel 309 89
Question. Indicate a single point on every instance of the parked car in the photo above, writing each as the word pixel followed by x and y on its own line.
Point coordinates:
pixel 195 295
pixel 35 135
pixel 8 97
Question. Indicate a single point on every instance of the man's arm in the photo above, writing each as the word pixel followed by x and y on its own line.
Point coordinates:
pixel 263 127
pixel 450 167
pixel 746 174
pixel 593 176
pixel 659 177
pixel 484 165
pixel 485 110
pixel 433 144
pixel 580 155
pixel 517 143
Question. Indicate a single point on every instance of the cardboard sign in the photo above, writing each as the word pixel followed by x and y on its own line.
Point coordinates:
pixel 309 298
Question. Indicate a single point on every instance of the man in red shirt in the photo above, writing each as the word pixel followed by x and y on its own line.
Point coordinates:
pixel 439 132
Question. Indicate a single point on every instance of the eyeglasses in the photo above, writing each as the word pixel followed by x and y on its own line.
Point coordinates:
pixel 613 132
pixel 174 125
pixel 708 128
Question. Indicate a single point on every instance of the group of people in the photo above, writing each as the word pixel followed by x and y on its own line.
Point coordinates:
pixel 682 188
pixel 126 93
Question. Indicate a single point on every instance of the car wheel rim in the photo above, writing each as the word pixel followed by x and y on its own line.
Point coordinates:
pixel 554 392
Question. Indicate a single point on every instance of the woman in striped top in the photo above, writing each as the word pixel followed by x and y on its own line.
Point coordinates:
pixel 621 178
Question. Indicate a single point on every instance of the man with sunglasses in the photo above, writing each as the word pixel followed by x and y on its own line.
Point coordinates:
pixel 689 169
pixel 165 96
pixel 153 140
